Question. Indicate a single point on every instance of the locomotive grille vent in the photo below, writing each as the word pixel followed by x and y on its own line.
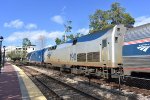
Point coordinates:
pixel 81 57
pixel 93 57
pixel 89 57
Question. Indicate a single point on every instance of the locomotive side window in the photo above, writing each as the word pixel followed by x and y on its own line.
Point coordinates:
pixel 52 48
pixel 116 39
pixel 104 43
pixel 118 29
pixel 49 49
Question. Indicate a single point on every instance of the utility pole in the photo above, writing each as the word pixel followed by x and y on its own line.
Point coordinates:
pixel 42 38
pixel 42 41
pixel 4 55
pixel 1 39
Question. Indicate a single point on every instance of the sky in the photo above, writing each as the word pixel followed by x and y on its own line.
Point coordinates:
pixel 36 19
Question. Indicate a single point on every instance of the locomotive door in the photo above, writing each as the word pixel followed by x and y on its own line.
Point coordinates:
pixel 104 52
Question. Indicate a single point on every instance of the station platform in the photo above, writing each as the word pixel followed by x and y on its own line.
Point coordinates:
pixel 16 85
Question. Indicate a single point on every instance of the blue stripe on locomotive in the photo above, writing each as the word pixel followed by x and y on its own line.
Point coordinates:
pixel 136 49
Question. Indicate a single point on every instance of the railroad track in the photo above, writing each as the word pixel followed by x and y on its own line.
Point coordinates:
pixel 132 84
pixel 48 92
pixel 59 89
pixel 110 87
pixel 107 93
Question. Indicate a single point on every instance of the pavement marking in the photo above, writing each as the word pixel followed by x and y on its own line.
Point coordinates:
pixel 29 90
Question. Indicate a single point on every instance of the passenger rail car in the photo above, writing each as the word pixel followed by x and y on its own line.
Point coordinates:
pixel 36 57
pixel 136 51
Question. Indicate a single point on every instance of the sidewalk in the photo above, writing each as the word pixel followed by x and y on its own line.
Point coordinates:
pixel 16 85
pixel 9 84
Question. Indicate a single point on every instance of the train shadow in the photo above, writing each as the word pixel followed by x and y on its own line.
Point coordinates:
pixel 106 89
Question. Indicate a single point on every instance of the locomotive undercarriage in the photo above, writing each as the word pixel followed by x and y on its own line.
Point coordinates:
pixel 104 72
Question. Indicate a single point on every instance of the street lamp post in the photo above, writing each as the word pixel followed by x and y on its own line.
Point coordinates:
pixel 1 39
pixel 4 56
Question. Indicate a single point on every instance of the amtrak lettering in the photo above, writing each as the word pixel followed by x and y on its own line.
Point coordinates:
pixel 73 56
pixel 143 47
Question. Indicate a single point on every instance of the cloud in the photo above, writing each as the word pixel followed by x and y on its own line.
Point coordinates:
pixel 48 46
pixel 31 26
pixel 55 34
pixel 142 20
pixel 14 24
pixel 58 19
pixel 18 24
pixel 83 31
pixel 33 35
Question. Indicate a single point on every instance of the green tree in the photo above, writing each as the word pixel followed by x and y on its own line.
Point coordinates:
pixel 78 35
pixel 128 20
pixel 106 19
pixel 116 13
pixel 68 29
pixel 23 55
pixel 98 20
pixel 58 41
pixel 68 26
pixel 26 42
pixel 66 37
pixel 71 37
pixel 13 55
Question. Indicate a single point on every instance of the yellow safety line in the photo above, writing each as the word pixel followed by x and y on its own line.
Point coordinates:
pixel 33 91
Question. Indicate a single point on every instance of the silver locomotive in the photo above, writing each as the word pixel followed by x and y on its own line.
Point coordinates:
pixel 99 53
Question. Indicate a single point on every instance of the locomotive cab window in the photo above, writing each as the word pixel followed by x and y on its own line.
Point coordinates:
pixel 104 43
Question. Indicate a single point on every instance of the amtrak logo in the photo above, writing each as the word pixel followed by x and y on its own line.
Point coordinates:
pixel 144 47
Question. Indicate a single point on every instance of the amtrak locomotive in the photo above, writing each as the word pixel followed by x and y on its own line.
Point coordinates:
pixel 99 53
